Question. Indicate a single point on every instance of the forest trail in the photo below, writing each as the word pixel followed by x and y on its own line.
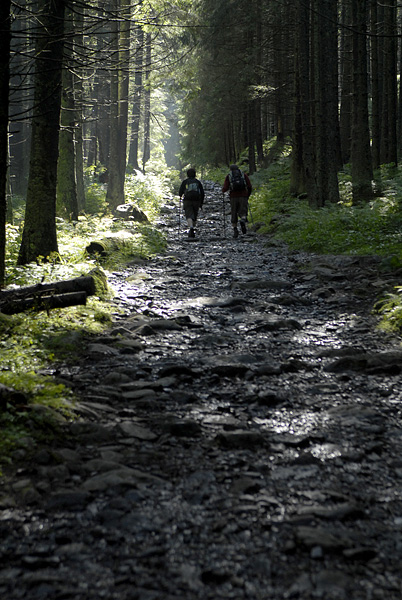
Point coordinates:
pixel 240 436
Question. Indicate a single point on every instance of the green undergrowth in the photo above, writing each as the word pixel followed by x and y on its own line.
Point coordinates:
pixel 32 344
pixel 390 309
pixel 374 228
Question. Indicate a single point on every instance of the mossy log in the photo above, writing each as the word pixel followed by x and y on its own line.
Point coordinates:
pixel 44 302
pixel 108 245
pixel 58 294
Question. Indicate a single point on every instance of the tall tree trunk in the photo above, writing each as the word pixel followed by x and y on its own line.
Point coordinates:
pixel 388 126
pixel 124 80
pixel 39 236
pixel 400 90
pixel 362 170
pixel 137 95
pixel 115 188
pixel 67 202
pixel 147 103
pixel 251 137
pixel 297 184
pixel 326 102
pixel 304 151
pixel 79 114
pixel 5 39
pixel 346 68
pixel 258 67
pixel 375 85
pixel 22 46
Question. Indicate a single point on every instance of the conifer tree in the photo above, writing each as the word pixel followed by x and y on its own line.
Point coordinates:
pixel 39 236
pixel 5 38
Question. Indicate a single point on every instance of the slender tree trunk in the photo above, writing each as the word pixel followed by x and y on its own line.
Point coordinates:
pixel 362 170
pixel 39 236
pixel 124 80
pixel 346 67
pixel 115 189
pixel 389 114
pixel 67 202
pixel 251 137
pixel 297 184
pixel 79 115
pixel 305 151
pixel 326 102
pixel 137 95
pixel 5 40
pixel 258 103
pixel 400 90
pixel 375 85
pixel 147 103
pixel 21 79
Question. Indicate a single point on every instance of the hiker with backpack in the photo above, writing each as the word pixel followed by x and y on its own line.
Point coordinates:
pixel 239 187
pixel 192 191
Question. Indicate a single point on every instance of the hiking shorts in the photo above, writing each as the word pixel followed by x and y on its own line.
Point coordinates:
pixel 239 208
pixel 191 208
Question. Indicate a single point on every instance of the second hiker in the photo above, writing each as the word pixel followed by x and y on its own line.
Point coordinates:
pixel 239 187
pixel 193 198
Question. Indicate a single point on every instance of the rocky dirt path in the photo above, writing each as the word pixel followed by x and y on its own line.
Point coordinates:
pixel 240 437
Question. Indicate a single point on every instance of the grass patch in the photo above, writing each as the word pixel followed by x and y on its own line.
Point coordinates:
pixel 371 229
pixel 374 228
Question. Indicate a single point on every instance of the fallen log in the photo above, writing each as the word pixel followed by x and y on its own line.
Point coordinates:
pixel 59 294
pixel 108 245
pixel 14 307
pixel 115 242
pixel 85 283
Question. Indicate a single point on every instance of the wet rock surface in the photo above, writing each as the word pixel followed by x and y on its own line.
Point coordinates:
pixel 239 436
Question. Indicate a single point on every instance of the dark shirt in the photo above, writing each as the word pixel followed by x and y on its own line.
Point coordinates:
pixel 184 183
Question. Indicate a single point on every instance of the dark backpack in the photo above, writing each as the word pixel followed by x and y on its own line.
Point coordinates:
pixel 237 181
pixel 192 190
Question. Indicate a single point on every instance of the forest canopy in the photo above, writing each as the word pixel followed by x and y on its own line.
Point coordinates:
pixel 94 91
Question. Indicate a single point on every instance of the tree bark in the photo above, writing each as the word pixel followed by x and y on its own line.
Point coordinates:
pixel 5 40
pixel 21 79
pixel 115 192
pixel 85 283
pixel 79 114
pixel 67 201
pixel 375 85
pixel 44 303
pixel 346 67
pixel 399 122
pixel 124 80
pixel 119 105
pixel 147 103
pixel 362 170
pixel 137 95
pixel 304 148
pixel 326 102
pixel 39 236
pixel 388 154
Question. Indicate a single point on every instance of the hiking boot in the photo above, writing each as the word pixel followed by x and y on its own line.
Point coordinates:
pixel 235 232
pixel 243 227
pixel 191 233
